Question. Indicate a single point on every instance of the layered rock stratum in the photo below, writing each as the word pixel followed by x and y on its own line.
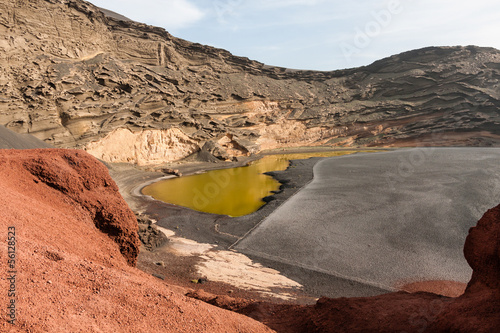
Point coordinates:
pixel 78 78
pixel 75 247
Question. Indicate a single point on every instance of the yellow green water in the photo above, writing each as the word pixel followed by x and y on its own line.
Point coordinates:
pixel 233 192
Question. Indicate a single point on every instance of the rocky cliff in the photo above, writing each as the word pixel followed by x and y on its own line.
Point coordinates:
pixel 75 77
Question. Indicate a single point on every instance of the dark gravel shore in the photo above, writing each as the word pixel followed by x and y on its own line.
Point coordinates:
pixel 225 231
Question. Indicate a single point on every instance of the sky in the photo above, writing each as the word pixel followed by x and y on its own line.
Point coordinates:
pixel 320 34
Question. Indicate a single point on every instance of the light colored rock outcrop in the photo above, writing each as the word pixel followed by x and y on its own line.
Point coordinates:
pixel 145 147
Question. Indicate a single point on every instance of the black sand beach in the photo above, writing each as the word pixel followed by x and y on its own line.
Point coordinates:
pixel 384 219
pixel 224 231
pixel 435 230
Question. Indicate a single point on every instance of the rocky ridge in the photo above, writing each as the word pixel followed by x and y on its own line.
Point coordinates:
pixel 75 77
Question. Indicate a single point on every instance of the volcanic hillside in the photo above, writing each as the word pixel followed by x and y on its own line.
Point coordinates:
pixel 129 92
pixel 75 242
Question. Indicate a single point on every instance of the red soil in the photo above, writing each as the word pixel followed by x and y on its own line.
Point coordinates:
pixel 76 241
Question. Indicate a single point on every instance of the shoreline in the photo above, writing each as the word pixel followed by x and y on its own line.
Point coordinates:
pixel 132 179
pixel 223 232
pixel 297 175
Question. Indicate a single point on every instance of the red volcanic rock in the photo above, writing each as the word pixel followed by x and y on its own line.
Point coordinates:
pixel 482 251
pixel 478 310
pixel 86 181
pixel 75 242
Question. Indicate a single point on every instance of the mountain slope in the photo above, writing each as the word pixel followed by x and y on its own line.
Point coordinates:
pixel 72 76
pixel 13 140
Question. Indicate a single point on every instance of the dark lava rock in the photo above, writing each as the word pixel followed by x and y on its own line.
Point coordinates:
pixel 149 234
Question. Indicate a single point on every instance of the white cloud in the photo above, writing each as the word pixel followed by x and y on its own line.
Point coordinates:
pixel 451 22
pixel 169 14
pixel 286 3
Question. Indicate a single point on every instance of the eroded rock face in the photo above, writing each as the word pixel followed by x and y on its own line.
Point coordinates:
pixel 146 147
pixel 71 75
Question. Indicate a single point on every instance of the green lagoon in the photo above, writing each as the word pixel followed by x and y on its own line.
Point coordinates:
pixel 233 192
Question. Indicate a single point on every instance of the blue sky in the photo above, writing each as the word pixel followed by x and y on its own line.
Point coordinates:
pixel 320 34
